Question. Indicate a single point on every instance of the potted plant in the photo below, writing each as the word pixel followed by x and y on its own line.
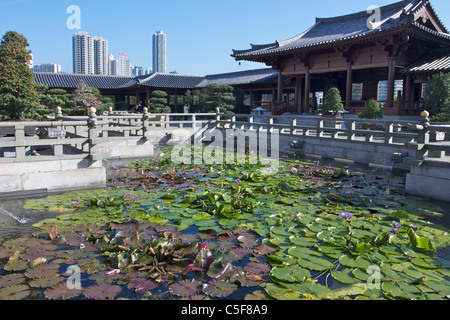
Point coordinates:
pixel 373 111
pixel 332 103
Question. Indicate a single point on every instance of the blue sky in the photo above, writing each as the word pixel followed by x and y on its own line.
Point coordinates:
pixel 200 33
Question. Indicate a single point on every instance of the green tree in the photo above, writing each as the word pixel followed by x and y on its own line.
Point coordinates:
pixel 332 102
pixel 437 94
pixel 18 94
pixel 158 102
pixel 373 111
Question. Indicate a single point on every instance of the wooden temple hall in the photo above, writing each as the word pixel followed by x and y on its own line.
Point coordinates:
pixel 387 54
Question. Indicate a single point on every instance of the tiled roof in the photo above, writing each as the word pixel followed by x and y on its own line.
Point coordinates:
pixel 343 28
pixel 168 80
pixel 68 80
pixel 436 61
pixel 240 78
pixel 156 80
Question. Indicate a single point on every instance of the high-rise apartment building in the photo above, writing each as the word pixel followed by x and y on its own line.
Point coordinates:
pixel 49 67
pixel 159 52
pixel 90 54
pixel 124 65
pixel 83 53
pixel 101 63
pixel 113 65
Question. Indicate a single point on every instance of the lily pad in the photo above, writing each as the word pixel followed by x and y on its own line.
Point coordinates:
pixel 186 288
pixel 219 289
pixel 11 280
pixel 18 292
pixel 61 292
pixel 292 273
pixel 102 291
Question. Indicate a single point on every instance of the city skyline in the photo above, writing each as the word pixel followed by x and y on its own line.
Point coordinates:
pixel 202 35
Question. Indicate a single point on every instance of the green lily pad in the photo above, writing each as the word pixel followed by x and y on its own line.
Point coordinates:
pixel 292 273
pixel 315 263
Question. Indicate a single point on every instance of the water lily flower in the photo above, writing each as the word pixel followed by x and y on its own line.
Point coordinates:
pixel 127 195
pixel 346 215
pixel 160 159
pixel 171 182
pixel 184 162
pixel 396 224
pixel 134 199
pixel 349 192
pixel 75 203
pixel 415 228
pixel 238 181
pixel 112 272
pixel 394 230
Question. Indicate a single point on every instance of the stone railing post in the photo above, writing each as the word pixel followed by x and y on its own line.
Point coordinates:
pixel 145 118
pixel 424 136
pixel 217 124
pixel 94 155
pixel 58 113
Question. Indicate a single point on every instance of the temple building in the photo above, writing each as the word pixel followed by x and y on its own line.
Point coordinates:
pixel 386 53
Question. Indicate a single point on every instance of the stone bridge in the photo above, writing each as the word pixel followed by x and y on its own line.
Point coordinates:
pixel 71 153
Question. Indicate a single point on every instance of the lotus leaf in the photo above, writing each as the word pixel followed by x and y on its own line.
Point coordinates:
pixel 292 273
pixel 17 292
pixel 102 291
pixel 11 280
pixel 61 292
pixel 186 288
pixel 46 282
pixel 219 288
pixel 355 261
pixel 315 263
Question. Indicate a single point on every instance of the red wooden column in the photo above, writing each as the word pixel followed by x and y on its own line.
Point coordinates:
pixel 307 90
pixel 391 82
pixel 298 94
pixel 280 87
pixel 349 85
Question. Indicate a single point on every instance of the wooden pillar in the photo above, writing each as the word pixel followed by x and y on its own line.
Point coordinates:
pixel 349 85
pixel 280 87
pixel 307 90
pixel 298 94
pixel 391 82
pixel 407 94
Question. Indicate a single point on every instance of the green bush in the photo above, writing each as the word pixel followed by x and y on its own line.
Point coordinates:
pixel 441 117
pixel 373 111
pixel 332 102
pixel 437 94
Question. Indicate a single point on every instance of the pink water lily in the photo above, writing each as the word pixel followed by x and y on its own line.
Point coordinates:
pixel 112 272
pixel 75 203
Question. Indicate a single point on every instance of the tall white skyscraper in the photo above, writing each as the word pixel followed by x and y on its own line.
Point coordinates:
pixel 90 54
pixel 83 53
pixel 101 63
pixel 124 65
pixel 159 52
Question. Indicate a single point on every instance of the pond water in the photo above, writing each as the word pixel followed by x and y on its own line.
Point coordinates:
pixel 245 235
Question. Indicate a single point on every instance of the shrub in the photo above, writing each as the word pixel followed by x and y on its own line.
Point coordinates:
pixel 373 111
pixel 437 94
pixel 332 102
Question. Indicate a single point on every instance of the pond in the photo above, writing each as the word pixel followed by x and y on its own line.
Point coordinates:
pixel 162 231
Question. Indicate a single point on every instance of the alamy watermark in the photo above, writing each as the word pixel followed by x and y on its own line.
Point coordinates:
pixel 74 20
pixel 374 21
